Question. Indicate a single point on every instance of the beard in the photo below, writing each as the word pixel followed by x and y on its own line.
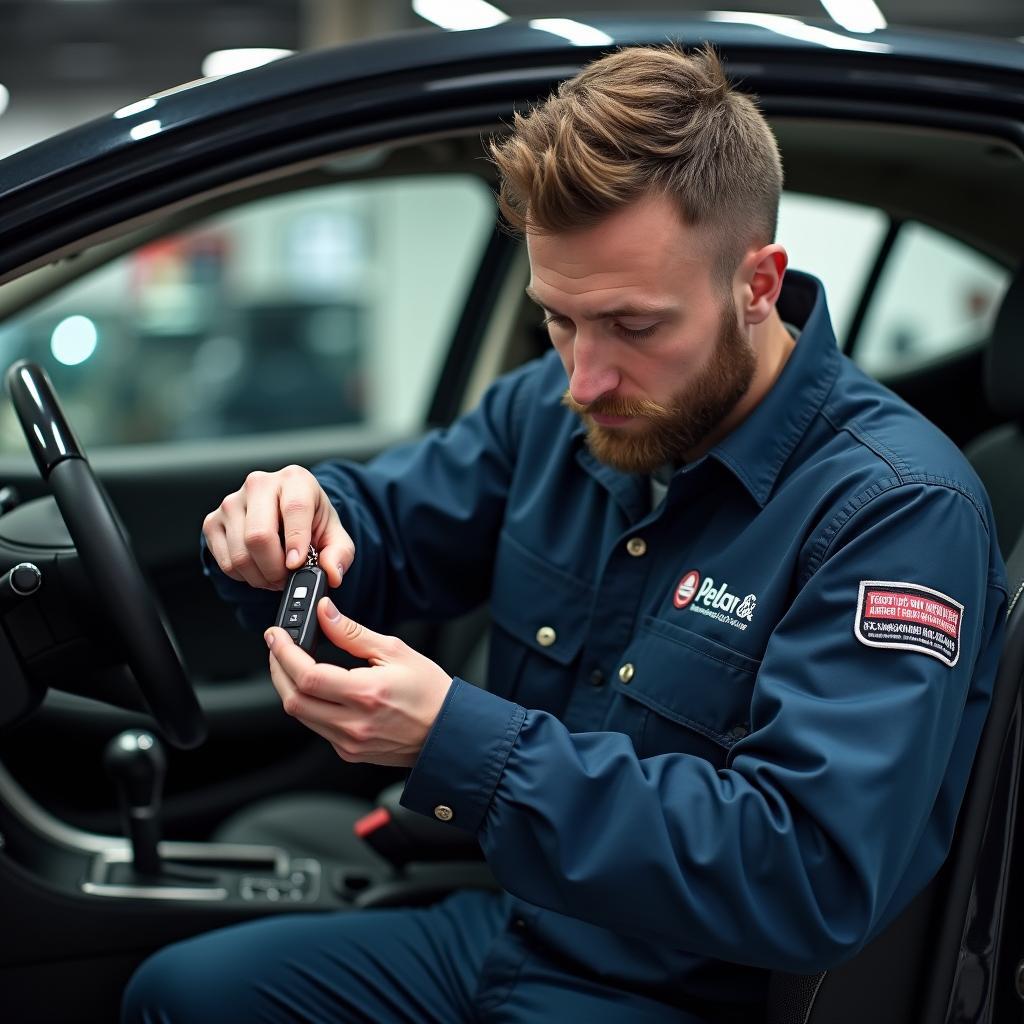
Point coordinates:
pixel 690 416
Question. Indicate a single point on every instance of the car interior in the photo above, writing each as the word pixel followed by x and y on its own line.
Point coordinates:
pixel 262 815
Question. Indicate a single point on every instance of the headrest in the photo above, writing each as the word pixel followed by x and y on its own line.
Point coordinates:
pixel 1004 360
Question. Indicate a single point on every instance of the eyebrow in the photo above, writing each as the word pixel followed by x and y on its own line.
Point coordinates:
pixel 636 309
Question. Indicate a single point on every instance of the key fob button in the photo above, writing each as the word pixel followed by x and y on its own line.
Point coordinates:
pixel 298 606
pixel 293 633
pixel 294 619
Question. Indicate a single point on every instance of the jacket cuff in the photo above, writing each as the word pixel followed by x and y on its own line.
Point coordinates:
pixel 463 756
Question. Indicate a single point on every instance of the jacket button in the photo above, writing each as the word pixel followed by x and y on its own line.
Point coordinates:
pixel 597 677
pixel 737 732
pixel 626 672
pixel 636 546
pixel 443 813
pixel 546 636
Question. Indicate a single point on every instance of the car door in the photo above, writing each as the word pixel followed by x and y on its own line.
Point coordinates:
pixel 313 318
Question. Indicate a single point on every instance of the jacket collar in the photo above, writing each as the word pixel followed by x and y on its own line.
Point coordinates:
pixel 758 448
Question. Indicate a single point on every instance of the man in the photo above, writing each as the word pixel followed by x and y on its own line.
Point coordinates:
pixel 747 611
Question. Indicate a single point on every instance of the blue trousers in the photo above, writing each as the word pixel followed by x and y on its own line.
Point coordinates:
pixel 434 964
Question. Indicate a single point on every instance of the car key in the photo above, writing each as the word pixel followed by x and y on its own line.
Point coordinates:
pixel 297 613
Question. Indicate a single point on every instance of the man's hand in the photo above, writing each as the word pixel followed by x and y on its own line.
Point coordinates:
pixel 244 533
pixel 380 714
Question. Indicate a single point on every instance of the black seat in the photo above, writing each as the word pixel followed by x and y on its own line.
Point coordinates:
pixel 998 455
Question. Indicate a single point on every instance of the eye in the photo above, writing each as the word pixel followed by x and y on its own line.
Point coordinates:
pixel 552 320
pixel 636 335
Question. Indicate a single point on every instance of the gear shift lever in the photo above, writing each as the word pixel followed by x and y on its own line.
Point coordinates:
pixel 135 760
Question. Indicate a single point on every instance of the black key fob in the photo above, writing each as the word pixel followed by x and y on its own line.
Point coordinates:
pixel 297 613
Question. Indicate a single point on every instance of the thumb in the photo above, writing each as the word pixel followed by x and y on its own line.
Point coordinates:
pixel 350 635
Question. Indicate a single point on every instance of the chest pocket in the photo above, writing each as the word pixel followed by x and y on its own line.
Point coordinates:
pixel 540 615
pixel 695 692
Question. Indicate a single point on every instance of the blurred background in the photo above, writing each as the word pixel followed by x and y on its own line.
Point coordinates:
pixel 65 61
pixel 350 292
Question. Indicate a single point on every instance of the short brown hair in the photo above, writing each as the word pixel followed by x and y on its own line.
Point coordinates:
pixel 639 121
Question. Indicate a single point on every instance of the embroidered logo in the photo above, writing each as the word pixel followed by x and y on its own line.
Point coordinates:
pixel 746 608
pixel 909 617
pixel 686 591
pixel 701 595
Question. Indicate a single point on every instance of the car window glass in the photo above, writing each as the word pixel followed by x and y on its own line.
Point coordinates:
pixel 935 296
pixel 332 305
pixel 837 242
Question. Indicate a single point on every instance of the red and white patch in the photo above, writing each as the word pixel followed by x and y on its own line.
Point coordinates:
pixel 909 617
pixel 686 590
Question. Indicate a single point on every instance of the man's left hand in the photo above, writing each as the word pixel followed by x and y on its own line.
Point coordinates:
pixel 381 713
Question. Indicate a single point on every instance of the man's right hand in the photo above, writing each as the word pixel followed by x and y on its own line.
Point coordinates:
pixel 244 533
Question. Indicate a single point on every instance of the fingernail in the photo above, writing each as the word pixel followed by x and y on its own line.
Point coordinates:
pixel 331 610
pixel 292 559
pixel 341 572
pixel 269 637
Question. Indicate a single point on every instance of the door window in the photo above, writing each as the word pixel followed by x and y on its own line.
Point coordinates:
pixel 935 297
pixel 333 305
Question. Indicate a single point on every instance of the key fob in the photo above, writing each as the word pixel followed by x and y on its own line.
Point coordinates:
pixel 297 613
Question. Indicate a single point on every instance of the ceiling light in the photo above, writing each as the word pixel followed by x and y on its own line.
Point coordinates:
pixel 458 15
pixel 5 98
pixel 575 31
pixel 230 62
pixel 855 15
pixel 73 340
pixel 796 29
pixel 144 130
pixel 135 108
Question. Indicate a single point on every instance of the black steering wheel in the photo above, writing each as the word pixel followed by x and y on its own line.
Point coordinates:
pixel 107 556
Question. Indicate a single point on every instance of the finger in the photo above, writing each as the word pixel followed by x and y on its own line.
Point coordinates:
pixel 239 556
pixel 297 499
pixel 355 638
pixel 216 542
pixel 262 525
pixel 328 683
pixel 295 704
pixel 336 548
pixel 332 721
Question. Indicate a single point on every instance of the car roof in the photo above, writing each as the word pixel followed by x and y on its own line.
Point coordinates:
pixel 500 51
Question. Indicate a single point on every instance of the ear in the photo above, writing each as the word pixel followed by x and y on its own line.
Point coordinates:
pixel 759 281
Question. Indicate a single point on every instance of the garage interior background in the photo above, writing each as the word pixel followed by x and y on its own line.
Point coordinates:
pixel 65 61
pixel 314 267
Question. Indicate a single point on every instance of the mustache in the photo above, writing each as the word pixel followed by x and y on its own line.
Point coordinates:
pixel 610 405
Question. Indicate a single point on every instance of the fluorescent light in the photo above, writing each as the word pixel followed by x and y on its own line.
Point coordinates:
pixel 73 340
pixel 575 31
pixel 855 15
pixel 135 108
pixel 457 15
pixel 144 130
pixel 5 97
pixel 230 62
pixel 795 29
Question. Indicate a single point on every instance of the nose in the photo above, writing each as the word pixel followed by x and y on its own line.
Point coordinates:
pixel 593 373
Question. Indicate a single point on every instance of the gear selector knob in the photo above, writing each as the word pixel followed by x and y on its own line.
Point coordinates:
pixel 136 761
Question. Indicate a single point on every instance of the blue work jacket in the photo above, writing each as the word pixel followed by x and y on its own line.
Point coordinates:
pixel 727 733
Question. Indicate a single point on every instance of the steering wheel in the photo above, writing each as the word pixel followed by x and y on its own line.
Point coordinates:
pixel 107 556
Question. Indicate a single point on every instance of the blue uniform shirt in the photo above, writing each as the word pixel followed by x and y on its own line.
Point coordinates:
pixel 725 734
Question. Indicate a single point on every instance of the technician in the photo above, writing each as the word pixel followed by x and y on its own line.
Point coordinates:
pixel 747 611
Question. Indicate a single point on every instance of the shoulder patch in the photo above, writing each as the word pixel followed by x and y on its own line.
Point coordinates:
pixel 909 617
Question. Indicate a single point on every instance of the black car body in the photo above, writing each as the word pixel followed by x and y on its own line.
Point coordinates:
pixel 925 131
